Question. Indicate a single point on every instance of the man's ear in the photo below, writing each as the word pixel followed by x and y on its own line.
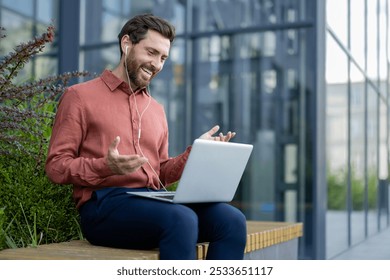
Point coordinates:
pixel 125 44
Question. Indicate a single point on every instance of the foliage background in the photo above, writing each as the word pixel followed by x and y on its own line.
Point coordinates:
pixel 32 209
pixel 337 191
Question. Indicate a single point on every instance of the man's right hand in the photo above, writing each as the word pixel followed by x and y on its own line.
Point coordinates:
pixel 123 164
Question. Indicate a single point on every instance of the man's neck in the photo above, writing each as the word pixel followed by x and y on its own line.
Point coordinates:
pixel 120 72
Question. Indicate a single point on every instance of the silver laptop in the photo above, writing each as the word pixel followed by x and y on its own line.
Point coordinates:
pixel 212 173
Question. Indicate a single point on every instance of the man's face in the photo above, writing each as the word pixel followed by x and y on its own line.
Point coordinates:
pixel 146 59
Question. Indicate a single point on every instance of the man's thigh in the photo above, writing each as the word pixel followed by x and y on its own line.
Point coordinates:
pixel 121 220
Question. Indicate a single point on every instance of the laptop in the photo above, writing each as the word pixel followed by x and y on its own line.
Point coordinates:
pixel 212 173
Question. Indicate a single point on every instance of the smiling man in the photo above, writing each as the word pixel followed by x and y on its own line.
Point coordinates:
pixel 110 135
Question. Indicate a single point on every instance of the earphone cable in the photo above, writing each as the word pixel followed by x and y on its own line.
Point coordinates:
pixel 140 121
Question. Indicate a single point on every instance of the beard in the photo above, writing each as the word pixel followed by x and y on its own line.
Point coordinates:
pixel 135 72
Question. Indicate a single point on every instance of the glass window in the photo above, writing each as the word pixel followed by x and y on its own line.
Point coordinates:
pixel 211 15
pixel 337 18
pixel 22 24
pixel 96 60
pixel 383 188
pixel 372 159
pixel 47 11
pixel 336 148
pixel 242 84
pixel 102 23
pixel 102 20
pixel 383 70
pixel 45 66
pixel 20 7
pixel 357 173
pixel 18 29
pixel 383 149
pixel 357 33
pixel 169 89
pixel 336 63
pixel 372 41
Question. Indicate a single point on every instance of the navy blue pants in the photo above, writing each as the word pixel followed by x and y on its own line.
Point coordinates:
pixel 114 218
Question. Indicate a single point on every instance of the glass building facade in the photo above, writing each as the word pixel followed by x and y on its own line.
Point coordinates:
pixel 305 81
pixel 357 121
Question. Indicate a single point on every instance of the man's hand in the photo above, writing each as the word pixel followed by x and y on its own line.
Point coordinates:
pixel 123 164
pixel 220 137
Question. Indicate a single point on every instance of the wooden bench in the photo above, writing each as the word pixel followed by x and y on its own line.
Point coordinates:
pixel 265 240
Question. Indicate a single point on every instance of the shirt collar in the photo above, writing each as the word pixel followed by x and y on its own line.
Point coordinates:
pixel 113 83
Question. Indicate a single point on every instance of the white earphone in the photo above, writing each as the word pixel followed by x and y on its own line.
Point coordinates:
pixel 126 50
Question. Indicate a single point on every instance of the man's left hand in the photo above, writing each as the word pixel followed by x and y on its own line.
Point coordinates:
pixel 209 135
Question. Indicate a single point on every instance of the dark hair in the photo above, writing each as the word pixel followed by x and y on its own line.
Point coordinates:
pixel 138 26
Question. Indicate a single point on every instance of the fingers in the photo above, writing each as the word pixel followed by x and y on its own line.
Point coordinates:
pixel 225 138
pixel 122 164
pixel 213 130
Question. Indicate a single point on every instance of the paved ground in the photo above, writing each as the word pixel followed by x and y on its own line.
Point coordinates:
pixel 377 247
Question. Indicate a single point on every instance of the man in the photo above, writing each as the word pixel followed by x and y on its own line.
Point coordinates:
pixel 110 136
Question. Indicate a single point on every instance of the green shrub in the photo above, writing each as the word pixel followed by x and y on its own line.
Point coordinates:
pixel 337 191
pixel 32 209
pixel 29 200
pixel 2 232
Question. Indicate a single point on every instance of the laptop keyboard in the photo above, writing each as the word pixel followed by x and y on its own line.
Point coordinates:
pixel 165 196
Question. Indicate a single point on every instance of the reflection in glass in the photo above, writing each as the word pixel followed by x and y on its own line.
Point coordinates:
pixel 337 19
pixel 336 153
pixel 357 35
pixel 21 7
pixel 336 63
pixel 102 20
pixel 47 11
pixel 242 82
pixel 383 187
pixel 45 66
pixel 210 15
pixel 18 29
pixel 372 159
pixel 357 172
pixel 372 41
pixel 383 70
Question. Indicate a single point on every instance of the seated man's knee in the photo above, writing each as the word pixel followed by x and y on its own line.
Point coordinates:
pixel 234 216
pixel 183 220
pixel 235 223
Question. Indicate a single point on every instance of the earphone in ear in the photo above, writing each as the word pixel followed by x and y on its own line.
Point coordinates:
pixel 126 50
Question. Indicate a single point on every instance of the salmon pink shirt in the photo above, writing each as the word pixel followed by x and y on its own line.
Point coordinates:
pixel 89 117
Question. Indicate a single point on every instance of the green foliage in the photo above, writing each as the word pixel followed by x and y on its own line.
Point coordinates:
pixel 337 191
pixel 32 209
pixel 26 109
pixel 2 231
pixel 172 187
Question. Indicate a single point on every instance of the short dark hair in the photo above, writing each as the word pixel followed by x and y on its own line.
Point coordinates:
pixel 138 26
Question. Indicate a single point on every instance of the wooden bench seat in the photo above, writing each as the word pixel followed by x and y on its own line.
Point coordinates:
pixel 261 235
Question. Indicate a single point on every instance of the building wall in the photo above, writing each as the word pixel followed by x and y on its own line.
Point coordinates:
pixel 357 115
